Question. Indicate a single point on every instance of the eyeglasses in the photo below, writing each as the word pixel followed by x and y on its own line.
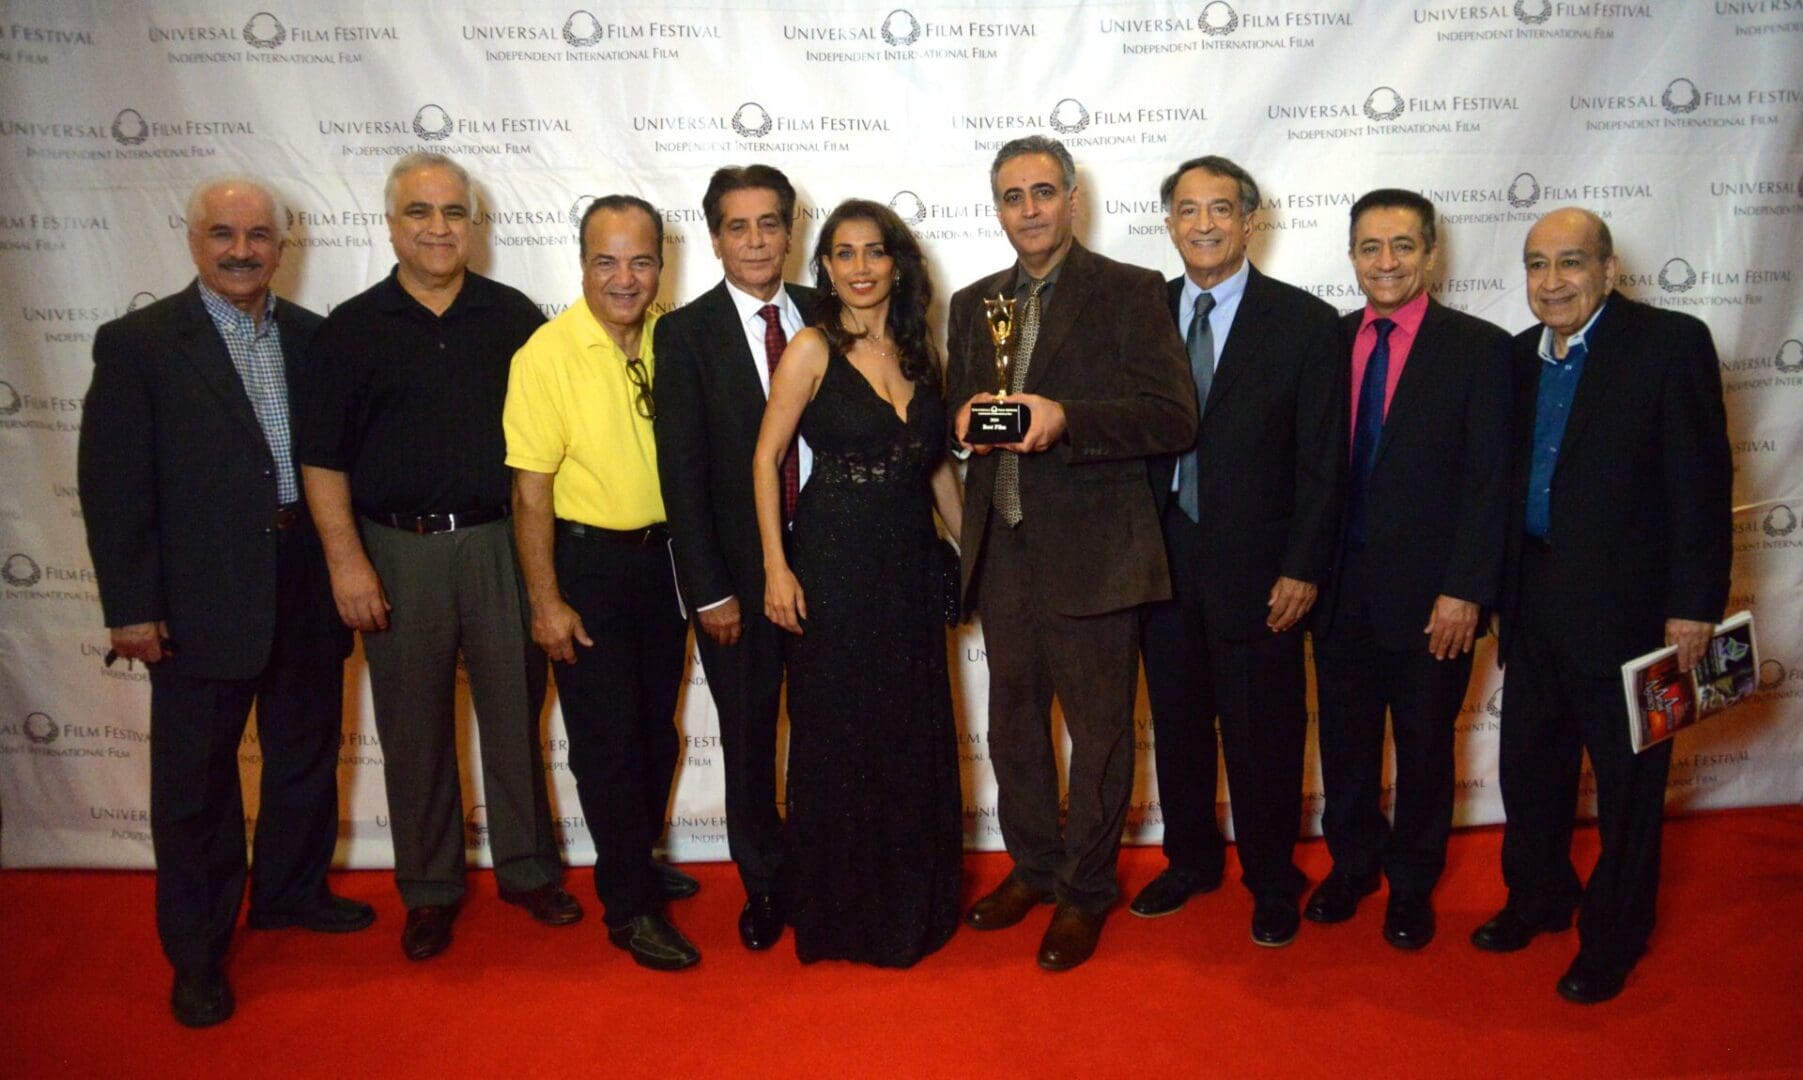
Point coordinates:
pixel 642 402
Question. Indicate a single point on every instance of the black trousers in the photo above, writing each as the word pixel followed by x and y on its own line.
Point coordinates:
pixel 196 803
pixel 619 708
pixel 1357 680
pixel 1088 664
pixel 1552 714
pixel 1258 689
pixel 745 680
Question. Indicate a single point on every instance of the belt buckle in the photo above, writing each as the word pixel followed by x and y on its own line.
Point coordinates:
pixel 285 517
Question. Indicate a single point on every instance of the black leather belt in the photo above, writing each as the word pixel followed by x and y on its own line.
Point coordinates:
pixel 645 537
pixel 1536 544
pixel 287 516
pixel 440 523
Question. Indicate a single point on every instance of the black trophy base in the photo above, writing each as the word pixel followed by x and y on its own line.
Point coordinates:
pixel 998 422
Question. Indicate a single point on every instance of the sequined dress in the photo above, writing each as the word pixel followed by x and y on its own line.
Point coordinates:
pixel 875 804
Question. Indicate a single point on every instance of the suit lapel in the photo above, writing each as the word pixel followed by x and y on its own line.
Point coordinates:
pixel 1076 283
pixel 1429 343
pixel 211 363
pixel 1242 339
pixel 1600 366
pixel 738 370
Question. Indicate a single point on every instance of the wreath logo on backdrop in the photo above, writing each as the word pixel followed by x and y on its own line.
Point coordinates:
pixel 1533 18
pixel 1676 276
pixel 10 402
pixel 475 825
pixel 432 123
pixel 1218 19
pixel 40 729
pixel 20 571
pixel 902 31
pixel 1771 673
pixel 1681 96
pixel 909 207
pixel 1069 117
pixel 581 29
pixel 579 208
pixel 1524 191
pixel 1780 520
pixel 138 300
pixel 752 121
pixel 1790 357
pixel 1384 103
pixel 264 31
pixel 130 128
pixel 1494 705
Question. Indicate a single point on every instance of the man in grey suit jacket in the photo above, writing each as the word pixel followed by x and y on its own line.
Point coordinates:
pixel 212 577
pixel 1060 538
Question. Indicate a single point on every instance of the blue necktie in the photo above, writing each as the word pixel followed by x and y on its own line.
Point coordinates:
pixel 1367 429
pixel 1201 344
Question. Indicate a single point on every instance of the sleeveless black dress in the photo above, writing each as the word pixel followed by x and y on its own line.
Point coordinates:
pixel 875 803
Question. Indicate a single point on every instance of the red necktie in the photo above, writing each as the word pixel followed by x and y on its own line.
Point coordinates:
pixel 774 341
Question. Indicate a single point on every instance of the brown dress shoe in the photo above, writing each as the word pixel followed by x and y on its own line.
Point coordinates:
pixel 1071 939
pixel 428 930
pixel 1006 905
pixel 548 903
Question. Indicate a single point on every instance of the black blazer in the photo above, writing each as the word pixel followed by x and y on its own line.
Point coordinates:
pixel 1271 453
pixel 1641 519
pixel 178 489
pixel 710 403
pixel 1439 497
pixel 1107 355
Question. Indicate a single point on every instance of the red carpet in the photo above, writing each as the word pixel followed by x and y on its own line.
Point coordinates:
pixel 1188 995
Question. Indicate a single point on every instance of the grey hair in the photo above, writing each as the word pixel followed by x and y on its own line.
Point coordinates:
pixel 1034 144
pixel 425 159
pixel 197 199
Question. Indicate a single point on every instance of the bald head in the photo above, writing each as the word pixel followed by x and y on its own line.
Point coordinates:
pixel 1571 269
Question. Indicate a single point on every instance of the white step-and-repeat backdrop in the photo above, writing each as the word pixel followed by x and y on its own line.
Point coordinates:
pixel 1680 121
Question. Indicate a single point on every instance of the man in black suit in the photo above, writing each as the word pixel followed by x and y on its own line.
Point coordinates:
pixel 1420 554
pixel 1620 539
pixel 1250 514
pixel 1060 542
pixel 714 359
pixel 211 575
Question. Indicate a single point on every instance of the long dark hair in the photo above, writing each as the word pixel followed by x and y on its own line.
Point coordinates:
pixel 907 301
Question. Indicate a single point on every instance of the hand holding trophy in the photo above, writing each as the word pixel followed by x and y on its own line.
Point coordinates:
pixel 999 421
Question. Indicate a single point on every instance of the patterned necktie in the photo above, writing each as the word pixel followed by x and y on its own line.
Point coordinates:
pixel 1367 429
pixel 1201 343
pixel 774 342
pixel 1007 476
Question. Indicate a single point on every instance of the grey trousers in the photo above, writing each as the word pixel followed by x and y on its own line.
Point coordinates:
pixel 458 592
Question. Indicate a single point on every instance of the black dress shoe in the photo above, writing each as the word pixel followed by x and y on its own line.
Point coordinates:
pixel 654 943
pixel 548 903
pixel 1408 921
pixel 673 884
pixel 761 921
pixel 1589 982
pixel 1071 939
pixel 1005 905
pixel 1274 923
pixel 1508 931
pixel 428 930
pixel 1337 898
pixel 1168 892
pixel 333 915
pixel 201 998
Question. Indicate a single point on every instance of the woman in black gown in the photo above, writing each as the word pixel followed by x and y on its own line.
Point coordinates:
pixel 875 803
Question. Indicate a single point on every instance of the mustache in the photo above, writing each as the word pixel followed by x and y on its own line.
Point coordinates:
pixel 240 264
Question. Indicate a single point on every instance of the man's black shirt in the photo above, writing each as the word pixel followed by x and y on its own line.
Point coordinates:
pixel 408 403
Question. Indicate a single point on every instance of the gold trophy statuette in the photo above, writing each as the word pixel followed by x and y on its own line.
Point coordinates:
pixel 999 421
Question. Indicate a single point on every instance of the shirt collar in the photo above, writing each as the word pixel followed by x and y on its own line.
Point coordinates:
pixel 227 316
pixel 1407 317
pixel 1024 280
pixel 477 291
pixel 595 336
pixel 1546 336
pixel 748 305
pixel 1231 289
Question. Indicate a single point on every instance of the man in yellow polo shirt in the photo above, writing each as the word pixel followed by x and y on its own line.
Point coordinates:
pixel 589 521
